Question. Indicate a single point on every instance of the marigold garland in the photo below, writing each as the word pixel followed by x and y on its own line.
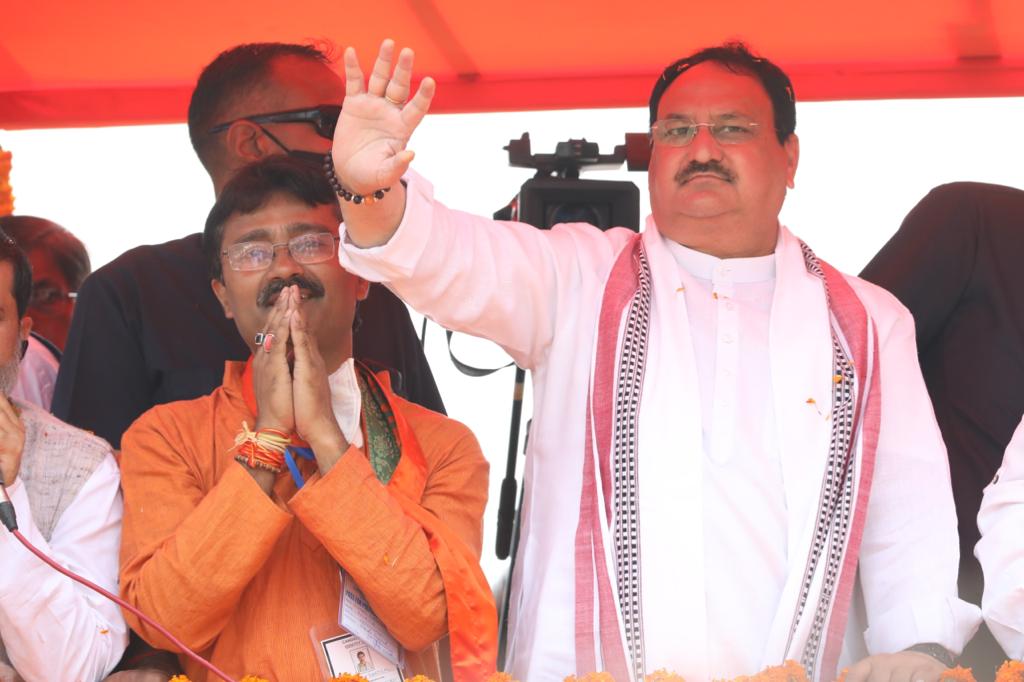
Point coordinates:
pixel 253 678
pixel 790 671
pixel 1011 671
pixel 6 196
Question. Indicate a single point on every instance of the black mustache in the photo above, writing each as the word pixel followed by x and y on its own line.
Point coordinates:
pixel 706 168
pixel 312 286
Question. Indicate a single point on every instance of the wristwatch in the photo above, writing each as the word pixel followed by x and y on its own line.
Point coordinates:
pixel 936 651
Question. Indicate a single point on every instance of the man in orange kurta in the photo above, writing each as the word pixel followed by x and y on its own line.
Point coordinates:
pixel 241 562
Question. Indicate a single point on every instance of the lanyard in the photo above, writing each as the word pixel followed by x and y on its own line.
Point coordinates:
pixel 289 459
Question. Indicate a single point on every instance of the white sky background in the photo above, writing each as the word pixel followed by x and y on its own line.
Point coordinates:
pixel 863 166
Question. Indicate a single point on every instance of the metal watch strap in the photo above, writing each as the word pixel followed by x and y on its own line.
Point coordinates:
pixel 936 651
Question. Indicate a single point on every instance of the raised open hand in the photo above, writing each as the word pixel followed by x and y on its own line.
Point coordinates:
pixel 377 119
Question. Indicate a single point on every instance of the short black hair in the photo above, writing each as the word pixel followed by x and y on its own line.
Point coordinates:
pixel 11 253
pixel 68 251
pixel 253 186
pixel 235 73
pixel 737 57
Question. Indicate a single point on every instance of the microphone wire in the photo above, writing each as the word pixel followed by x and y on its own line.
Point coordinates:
pixel 8 519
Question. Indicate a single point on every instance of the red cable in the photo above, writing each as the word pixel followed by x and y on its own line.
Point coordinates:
pixel 124 605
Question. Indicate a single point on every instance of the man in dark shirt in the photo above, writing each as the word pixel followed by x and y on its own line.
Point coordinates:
pixel 956 264
pixel 147 328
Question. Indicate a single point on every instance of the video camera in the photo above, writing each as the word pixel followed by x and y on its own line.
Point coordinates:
pixel 557 195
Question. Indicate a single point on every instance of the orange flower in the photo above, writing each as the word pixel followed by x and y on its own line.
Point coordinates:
pixel 790 671
pixel 499 677
pixel 663 675
pixel 345 677
pixel 253 678
pixel 1011 671
pixel 419 678
pixel 179 678
pixel 6 196
pixel 591 677
pixel 957 674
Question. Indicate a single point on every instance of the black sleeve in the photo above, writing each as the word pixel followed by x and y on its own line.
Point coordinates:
pixel 104 383
pixel 384 338
pixel 928 263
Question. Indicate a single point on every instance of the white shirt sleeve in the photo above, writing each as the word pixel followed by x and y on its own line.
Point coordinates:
pixel 1001 549
pixel 52 627
pixel 505 281
pixel 909 552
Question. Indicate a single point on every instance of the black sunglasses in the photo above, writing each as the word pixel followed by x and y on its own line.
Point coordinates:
pixel 324 118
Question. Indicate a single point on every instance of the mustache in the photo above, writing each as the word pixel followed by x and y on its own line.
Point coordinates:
pixel 712 167
pixel 313 287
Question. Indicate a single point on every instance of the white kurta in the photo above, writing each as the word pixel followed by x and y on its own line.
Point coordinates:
pixel 537 293
pixel 53 628
pixel 729 305
pixel 1001 549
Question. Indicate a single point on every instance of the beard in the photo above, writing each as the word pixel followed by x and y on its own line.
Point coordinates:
pixel 9 371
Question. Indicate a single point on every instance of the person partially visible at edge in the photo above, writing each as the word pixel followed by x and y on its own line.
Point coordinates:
pixel 233 551
pixel 152 308
pixel 766 481
pixel 955 264
pixel 1000 550
pixel 59 265
pixel 63 483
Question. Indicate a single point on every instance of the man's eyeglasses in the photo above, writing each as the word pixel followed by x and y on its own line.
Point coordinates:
pixel 678 132
pixel 324 119
pixel 314 247
pixel 48 296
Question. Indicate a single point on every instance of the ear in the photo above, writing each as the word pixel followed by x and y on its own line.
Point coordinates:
pixel 792 148
pixel 25 328
pixel 221 292
pixel 247 143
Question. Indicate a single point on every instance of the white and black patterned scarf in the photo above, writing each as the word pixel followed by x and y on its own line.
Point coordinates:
pixel 611 463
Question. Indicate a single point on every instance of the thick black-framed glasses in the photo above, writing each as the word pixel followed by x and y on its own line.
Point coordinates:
pixel 324 119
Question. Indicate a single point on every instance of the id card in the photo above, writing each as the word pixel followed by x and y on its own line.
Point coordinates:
pixel 348 654
pixel 356 616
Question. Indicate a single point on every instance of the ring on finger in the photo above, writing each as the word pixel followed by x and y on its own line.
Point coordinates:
pixel 394 101
pixel 268 341
pixel 258 338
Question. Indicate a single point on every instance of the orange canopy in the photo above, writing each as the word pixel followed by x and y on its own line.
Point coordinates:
pixel 107 62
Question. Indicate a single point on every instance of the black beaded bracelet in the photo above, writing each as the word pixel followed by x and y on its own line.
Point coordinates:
pixel 344 193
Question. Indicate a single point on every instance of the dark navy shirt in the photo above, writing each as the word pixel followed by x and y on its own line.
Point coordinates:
pixel 148 330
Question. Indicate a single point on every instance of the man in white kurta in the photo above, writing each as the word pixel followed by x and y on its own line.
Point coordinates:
pixel 64 489
pixel 1001 549
pixel 709 543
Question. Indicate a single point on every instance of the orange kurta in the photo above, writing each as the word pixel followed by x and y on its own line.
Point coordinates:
pixel 242 577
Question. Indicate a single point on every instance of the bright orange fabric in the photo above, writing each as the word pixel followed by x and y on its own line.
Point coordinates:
pixel 243 577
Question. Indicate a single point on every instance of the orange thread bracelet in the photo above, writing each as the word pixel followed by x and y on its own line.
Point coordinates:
pixel 263 449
